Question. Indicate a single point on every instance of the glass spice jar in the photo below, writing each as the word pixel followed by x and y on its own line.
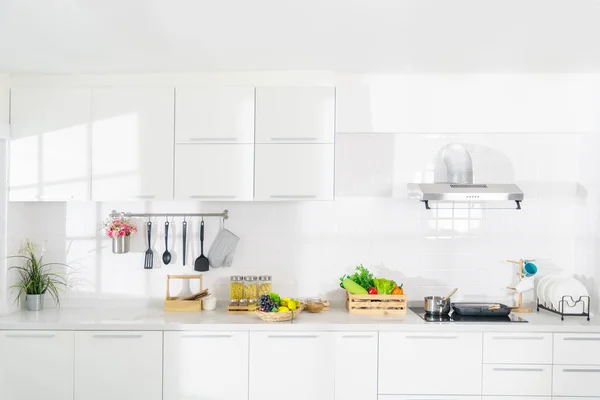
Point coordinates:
pixel 250 288
pixel 236 288
pixel 264 285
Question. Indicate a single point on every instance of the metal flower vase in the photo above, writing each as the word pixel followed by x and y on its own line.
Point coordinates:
pixel 35 302
pixel 120 244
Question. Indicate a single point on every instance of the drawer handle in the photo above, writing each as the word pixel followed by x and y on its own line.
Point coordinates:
pixel 293 337
pixel 289 139
pixel 518 338
pixel 30 335
pixel 55 198
pixel 144 196
pixel 109 336
pixel 581 370
pixel 586 339
pixel 432 337
pixel 213 139
pixel 212 196
pixel 209 336
pixel 519 369
pixel 293 196
pixel 357 336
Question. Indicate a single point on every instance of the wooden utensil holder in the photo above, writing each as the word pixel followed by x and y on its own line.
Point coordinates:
pixel 520 275
pixel 176 304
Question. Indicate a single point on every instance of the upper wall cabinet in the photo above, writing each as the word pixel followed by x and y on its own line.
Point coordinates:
pixel 50 146
pixel 132 143
pixel 465 104
pixel 206 114
pixel 295 114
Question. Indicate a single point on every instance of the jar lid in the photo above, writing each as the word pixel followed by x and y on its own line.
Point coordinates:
pixel 236 278
pixel 264 278
pixel 250 278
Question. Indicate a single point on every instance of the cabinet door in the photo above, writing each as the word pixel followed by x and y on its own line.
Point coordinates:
pixel 526 380
pixel 577 348
pixel 206 365
pixel 214 172
pixel 132 141
pixel 356 354
pixel 295 114
pixel 36 365
pixel 50 147
pixel 304 363
pixel 408 361
pixel 294 172
pixel 517 348
pixel 118 365
pixel 206 114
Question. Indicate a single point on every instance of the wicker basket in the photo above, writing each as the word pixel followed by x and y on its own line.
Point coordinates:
pixel 279 316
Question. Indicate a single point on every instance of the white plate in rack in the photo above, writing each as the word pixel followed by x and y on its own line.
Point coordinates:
pixel 568 287
pixel 541 288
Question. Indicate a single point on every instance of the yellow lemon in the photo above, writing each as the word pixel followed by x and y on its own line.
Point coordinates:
pixel 283 309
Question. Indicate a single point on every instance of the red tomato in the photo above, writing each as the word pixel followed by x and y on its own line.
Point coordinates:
pixel 373 290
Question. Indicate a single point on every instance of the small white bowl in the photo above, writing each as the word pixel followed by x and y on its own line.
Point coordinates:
pixel 209 303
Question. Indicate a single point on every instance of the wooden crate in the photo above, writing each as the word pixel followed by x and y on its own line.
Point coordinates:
pixel 175 304
pixel 376 304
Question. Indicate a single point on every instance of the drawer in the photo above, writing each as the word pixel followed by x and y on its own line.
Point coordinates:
pixel 577 348
pixel 518 379
pixel 519 398
pixel 571 380
pixel 517 348
pixel 428 397
pixel 409 361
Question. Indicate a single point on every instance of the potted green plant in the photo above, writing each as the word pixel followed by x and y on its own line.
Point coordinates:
pixel 37 278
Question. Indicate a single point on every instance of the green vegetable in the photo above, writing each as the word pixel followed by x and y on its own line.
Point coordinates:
pixel 361 276
pixel 275 309
pixel 275 297
pixel 353 287
pixel 384 286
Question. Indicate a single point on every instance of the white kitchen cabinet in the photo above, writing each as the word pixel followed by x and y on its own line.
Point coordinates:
pixel 304 364
pixel 205 365
pixel 576 380
pixel 118 365
pixel 517 348
pixel 214 172
pixel 430 397
pixel 214 114
pixel 356 354
pixel 295 114
pixel 294 172
pixel 36 365
pixel 577 348
pixel 50 156
pixel 132 142
pixel 517 379
pixel 410 362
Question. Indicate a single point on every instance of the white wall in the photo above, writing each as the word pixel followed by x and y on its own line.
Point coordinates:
pixel 307 246
pixel 4 111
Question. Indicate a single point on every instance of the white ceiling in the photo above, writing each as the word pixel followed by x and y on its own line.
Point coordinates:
pixel 79 36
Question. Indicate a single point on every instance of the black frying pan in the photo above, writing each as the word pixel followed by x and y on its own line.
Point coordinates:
pixel 480 309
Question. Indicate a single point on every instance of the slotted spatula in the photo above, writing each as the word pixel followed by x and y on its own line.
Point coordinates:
pixel 148 259
pixel 201 264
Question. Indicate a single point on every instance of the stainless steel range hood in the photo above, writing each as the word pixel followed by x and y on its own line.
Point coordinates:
pixel 459 186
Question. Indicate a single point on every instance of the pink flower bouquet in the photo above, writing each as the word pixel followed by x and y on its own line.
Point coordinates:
pixel 119 227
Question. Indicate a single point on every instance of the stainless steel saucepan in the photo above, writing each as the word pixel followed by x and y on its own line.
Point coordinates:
pixel 438 305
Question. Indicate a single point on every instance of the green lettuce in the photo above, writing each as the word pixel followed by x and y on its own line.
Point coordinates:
pixel 384 286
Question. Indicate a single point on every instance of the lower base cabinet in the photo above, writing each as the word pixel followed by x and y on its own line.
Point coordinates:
pixel 576 380
pixel 427 397
pixel 36 365
pixel 356 365
pixel 206 366
pixel 517 380
pixel 291 366
pixel 118 365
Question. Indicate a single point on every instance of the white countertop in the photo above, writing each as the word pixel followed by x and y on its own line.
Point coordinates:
pixel 155 319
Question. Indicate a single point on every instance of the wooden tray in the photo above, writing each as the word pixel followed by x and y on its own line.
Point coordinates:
pixel 376 304
pixel 237 309
pixel 176 304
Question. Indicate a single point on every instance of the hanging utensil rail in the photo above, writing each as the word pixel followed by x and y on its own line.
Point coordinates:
pixel 224 214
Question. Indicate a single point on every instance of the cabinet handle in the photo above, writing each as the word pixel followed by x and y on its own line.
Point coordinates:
pixel 213 139
pixel 209 336
pixel 587 339
pixel 293 196
pixel 29 335
pixel 289 139
pixel 56 198
pixel 519 369
pixel 518 338
pixel 432 337
pixel 144 196
pixel 213 196
pixel 581 370
pixel 357 336
pixel 109 336
pixel 293 336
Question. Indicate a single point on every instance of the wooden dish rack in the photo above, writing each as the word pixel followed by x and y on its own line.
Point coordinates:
pixel 178 304
pixel 376 304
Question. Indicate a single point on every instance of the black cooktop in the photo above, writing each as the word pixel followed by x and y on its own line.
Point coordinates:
pixel 453 317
